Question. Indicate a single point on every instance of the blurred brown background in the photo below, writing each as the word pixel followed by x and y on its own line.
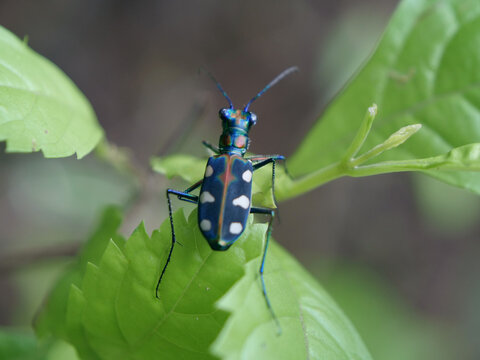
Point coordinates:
pixel 397 252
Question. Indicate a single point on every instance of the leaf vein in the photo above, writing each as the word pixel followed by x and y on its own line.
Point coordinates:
pixel 161 321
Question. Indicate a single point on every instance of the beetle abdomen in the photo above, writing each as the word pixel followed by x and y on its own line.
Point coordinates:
pixel 224 202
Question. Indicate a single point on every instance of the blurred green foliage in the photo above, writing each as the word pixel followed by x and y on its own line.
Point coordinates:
pixel 444 208
pixel 17 345
pixel 391 330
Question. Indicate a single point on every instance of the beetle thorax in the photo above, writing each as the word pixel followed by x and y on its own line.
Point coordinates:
pixel 233 141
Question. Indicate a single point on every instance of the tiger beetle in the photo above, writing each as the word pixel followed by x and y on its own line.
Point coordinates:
pixel 224 201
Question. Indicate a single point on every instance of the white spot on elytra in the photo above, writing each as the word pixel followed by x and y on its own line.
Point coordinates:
pixel 242 201
pixel 206 197
pixel 208 171
pixel 236 228
pixel 205 225
pixel 247 176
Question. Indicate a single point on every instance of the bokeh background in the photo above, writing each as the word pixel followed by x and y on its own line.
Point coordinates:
pixel 398 252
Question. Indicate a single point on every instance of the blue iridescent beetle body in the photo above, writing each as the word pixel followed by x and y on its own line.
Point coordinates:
pixel 224 201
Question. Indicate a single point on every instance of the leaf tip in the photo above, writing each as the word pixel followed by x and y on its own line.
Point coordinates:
pixel 372 110
pixel 401 135
pixel 415 127
pixel 157 165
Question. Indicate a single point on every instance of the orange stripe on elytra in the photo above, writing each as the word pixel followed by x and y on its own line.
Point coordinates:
pixel 226 182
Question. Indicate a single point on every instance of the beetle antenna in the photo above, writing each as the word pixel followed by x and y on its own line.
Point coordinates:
pixel 271 83
pixel 224 93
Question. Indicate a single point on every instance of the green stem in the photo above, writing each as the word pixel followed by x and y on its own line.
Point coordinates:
pixel 349 166
pixel 290 188
pixel 362 133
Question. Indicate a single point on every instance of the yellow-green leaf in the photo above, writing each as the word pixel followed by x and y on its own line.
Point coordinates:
pixel 41 109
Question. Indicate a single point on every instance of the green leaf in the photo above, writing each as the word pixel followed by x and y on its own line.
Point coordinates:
pixel 112 311
pixel 60 350
pixel 40 107
pixel 426 70
pixel 313 326
pixel 189 168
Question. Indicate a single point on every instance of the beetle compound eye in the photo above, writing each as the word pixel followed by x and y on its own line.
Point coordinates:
pixel 253 119
pixel 223 113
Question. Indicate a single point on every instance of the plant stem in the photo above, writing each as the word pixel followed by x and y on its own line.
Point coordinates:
pixel 290 188
pixel 15 260
pixel 362 133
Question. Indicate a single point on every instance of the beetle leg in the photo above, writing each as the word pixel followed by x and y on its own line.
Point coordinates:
pixel 266 159
pixel 269 160
pixel 182 196
pixel 190 189
pixel 215 149
pixel 271 213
